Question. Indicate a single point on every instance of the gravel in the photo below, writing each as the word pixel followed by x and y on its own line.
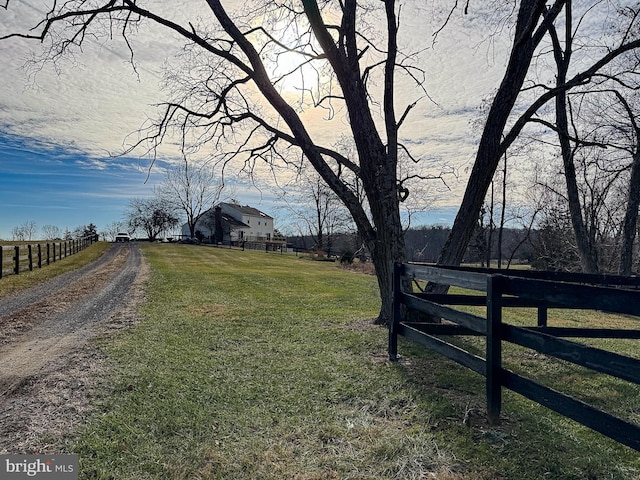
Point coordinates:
pixel 49 365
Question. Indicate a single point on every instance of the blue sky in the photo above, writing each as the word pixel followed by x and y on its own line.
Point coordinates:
pixel 49 185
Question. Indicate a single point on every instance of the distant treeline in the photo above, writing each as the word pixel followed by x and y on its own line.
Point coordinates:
pixel 423 244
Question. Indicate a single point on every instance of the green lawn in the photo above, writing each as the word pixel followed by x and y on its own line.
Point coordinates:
pixel 248 365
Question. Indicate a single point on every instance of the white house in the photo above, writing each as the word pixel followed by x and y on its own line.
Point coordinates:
pixel 258 225
pixel 237 225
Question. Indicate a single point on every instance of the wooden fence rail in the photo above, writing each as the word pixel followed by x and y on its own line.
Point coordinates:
pixel 15 259
pixel 523 289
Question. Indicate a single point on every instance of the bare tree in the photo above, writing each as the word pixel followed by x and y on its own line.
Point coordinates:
pixel 51 232
pixel 151 215
pixel 111 230
pixel 317 210
pixel 598 142
pixel 193 189
pixel 24 232
pixel 563 51
pixel 505 122
pixel 18 234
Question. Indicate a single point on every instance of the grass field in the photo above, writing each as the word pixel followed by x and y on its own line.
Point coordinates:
pixel 248 365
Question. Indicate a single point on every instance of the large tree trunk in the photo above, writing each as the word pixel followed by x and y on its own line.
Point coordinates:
pixel 491 149
pixel 631 216
pixel 388 248
pixel 388 245
pixel 586 247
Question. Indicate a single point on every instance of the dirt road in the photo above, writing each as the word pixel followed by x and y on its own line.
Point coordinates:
pixel 48 365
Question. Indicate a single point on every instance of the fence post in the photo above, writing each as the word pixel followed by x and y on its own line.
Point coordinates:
pixel 39 255
pixel 30 257
pixel 54 252
pixel 394 321
pixel 16 266
pixel 494 348
pixel 542 316
pixel 1 260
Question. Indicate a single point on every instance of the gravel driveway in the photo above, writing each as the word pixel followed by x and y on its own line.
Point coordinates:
pixel 48 365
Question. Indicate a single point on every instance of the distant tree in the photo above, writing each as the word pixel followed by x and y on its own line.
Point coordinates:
pixel 83 231
pixel 78 231
pixel 193 189
pixel 51 232
pixel 152 215
pixel 317 210
pixel 24 232
pixel 554 242
pixel 18 234
pixel 90 231
pixel 424 243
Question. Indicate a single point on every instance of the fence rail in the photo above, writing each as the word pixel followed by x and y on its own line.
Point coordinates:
pixel 15 259
pixel 502 289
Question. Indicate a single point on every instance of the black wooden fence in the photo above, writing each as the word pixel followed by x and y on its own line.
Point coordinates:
pixel 19 258
pixel 541 290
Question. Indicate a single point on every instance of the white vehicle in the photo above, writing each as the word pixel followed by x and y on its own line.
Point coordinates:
pixel 122 237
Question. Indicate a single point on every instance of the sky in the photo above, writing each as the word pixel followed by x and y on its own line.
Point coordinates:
pixel 63 127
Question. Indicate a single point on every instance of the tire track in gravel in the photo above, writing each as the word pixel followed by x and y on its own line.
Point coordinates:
pixel 45 335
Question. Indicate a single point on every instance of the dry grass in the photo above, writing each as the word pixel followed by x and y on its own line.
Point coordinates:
pixel 359 267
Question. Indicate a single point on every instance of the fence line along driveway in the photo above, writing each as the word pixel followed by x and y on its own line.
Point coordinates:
pixel 23 257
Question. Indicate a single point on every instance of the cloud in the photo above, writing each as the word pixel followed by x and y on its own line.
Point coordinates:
pixel 90 102
pixel 86 107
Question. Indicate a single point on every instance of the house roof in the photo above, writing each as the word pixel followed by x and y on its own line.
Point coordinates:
pixel 228 219
pixel 247 210
pixel 233 223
